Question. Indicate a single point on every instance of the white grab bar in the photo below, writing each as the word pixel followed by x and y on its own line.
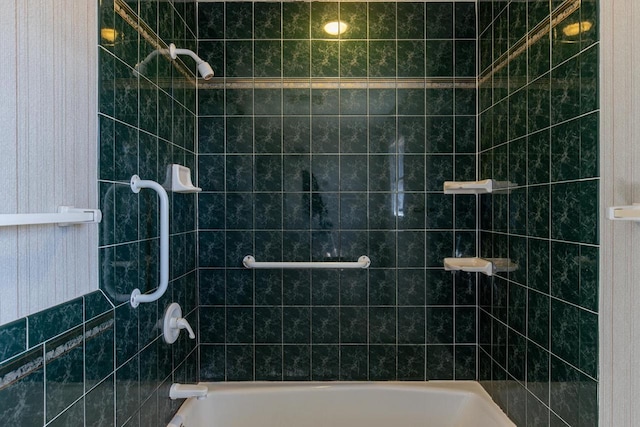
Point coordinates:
pixel 250 262
pixel 136 295
pixel 67 215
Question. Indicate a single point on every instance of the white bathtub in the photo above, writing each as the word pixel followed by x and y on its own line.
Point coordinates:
pixel 342 404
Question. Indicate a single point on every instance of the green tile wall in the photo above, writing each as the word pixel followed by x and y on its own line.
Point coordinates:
pixel 538 121
pixel 298 168
pixel 95 361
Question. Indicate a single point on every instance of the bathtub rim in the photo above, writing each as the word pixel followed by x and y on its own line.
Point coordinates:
pixel 463 388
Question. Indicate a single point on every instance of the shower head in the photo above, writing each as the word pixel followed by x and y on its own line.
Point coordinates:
pixel 204 68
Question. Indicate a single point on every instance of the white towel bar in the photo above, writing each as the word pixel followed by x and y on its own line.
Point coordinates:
pixel 66 215
pixel 250 262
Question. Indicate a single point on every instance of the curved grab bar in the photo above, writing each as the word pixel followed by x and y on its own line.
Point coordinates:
pixel 250 262
pixel 136 295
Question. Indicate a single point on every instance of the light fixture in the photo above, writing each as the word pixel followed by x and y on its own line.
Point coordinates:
pixel 335 28
pixel 109 35
pixel 576 28
pixel 204 68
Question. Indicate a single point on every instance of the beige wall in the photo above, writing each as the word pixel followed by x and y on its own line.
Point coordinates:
pixel 48 140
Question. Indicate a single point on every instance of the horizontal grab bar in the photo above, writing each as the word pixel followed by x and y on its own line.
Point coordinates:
pixel 66 215
pixel 250 262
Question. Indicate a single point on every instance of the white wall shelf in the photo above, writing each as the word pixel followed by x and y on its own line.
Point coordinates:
pixel 484 186
pixel 488 266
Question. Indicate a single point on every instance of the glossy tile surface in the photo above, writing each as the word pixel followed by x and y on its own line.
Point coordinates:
pixel 538 130
pixel 318 173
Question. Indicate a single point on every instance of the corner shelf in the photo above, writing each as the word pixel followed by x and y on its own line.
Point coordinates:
pixel 484 186
pixel 487 266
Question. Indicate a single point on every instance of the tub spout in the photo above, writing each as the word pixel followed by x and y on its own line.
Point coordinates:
pixel 185 391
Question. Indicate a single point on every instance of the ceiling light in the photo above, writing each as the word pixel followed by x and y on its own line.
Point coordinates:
pixel 109 34
pixel 336 27
pixel 572 30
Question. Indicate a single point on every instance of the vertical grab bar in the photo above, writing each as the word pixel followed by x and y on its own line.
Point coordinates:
pixel 136 295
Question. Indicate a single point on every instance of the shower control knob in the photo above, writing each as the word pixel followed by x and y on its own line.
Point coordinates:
pixel 174 323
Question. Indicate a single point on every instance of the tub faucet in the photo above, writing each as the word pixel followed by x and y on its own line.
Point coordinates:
pixel 185 391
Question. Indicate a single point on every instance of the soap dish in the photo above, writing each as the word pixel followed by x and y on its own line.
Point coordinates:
pixel 179 180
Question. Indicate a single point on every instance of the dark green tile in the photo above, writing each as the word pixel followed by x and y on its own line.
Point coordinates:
pixel 325 325
pixel 465 367
pixel 538 211
pixel 325 362
pixel 439 20
pixel 267 21
pixel 565 91
pixel 539 95
pixel 54 321
pixel 297 16
pixel 268 321
pixel 565 151
pixel 14 338
pixel 354 14
pixel 297 363
pixel 411 363
pixel 100 404
pixel 268 362
pixel 382 58
pixel 382 362
pixel 440 362
pixel 210 21
pixel 13 405
pixel 411 325
pixel 411 19
pixel 64 371
pixel 439 102
pixel 465 58
pixel 99 350
pixel 296 58
pixel 267 57
pixel 589 80
pixel 411 58
pixel 517 311
pixel 465 330
pixel 565 331
pixel 538 157
pixel 239 20
pixel 588 358
pixel 321 14
pixel 465 20
pixel 212 367
pixel 440 325
pixel 353 102
pixel 325 56
pixel 382 20
pixel 382 321
pixel 239 362
pixel 439 58
pixel 353 59
pixel 239 59
pixel 354 362
pixel 268 102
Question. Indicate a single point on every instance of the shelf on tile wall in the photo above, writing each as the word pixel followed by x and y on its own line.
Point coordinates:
pixel 488 266
pixel 476 187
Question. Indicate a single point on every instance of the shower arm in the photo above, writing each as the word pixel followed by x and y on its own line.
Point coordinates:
pixel 204 68
pixel 174 52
